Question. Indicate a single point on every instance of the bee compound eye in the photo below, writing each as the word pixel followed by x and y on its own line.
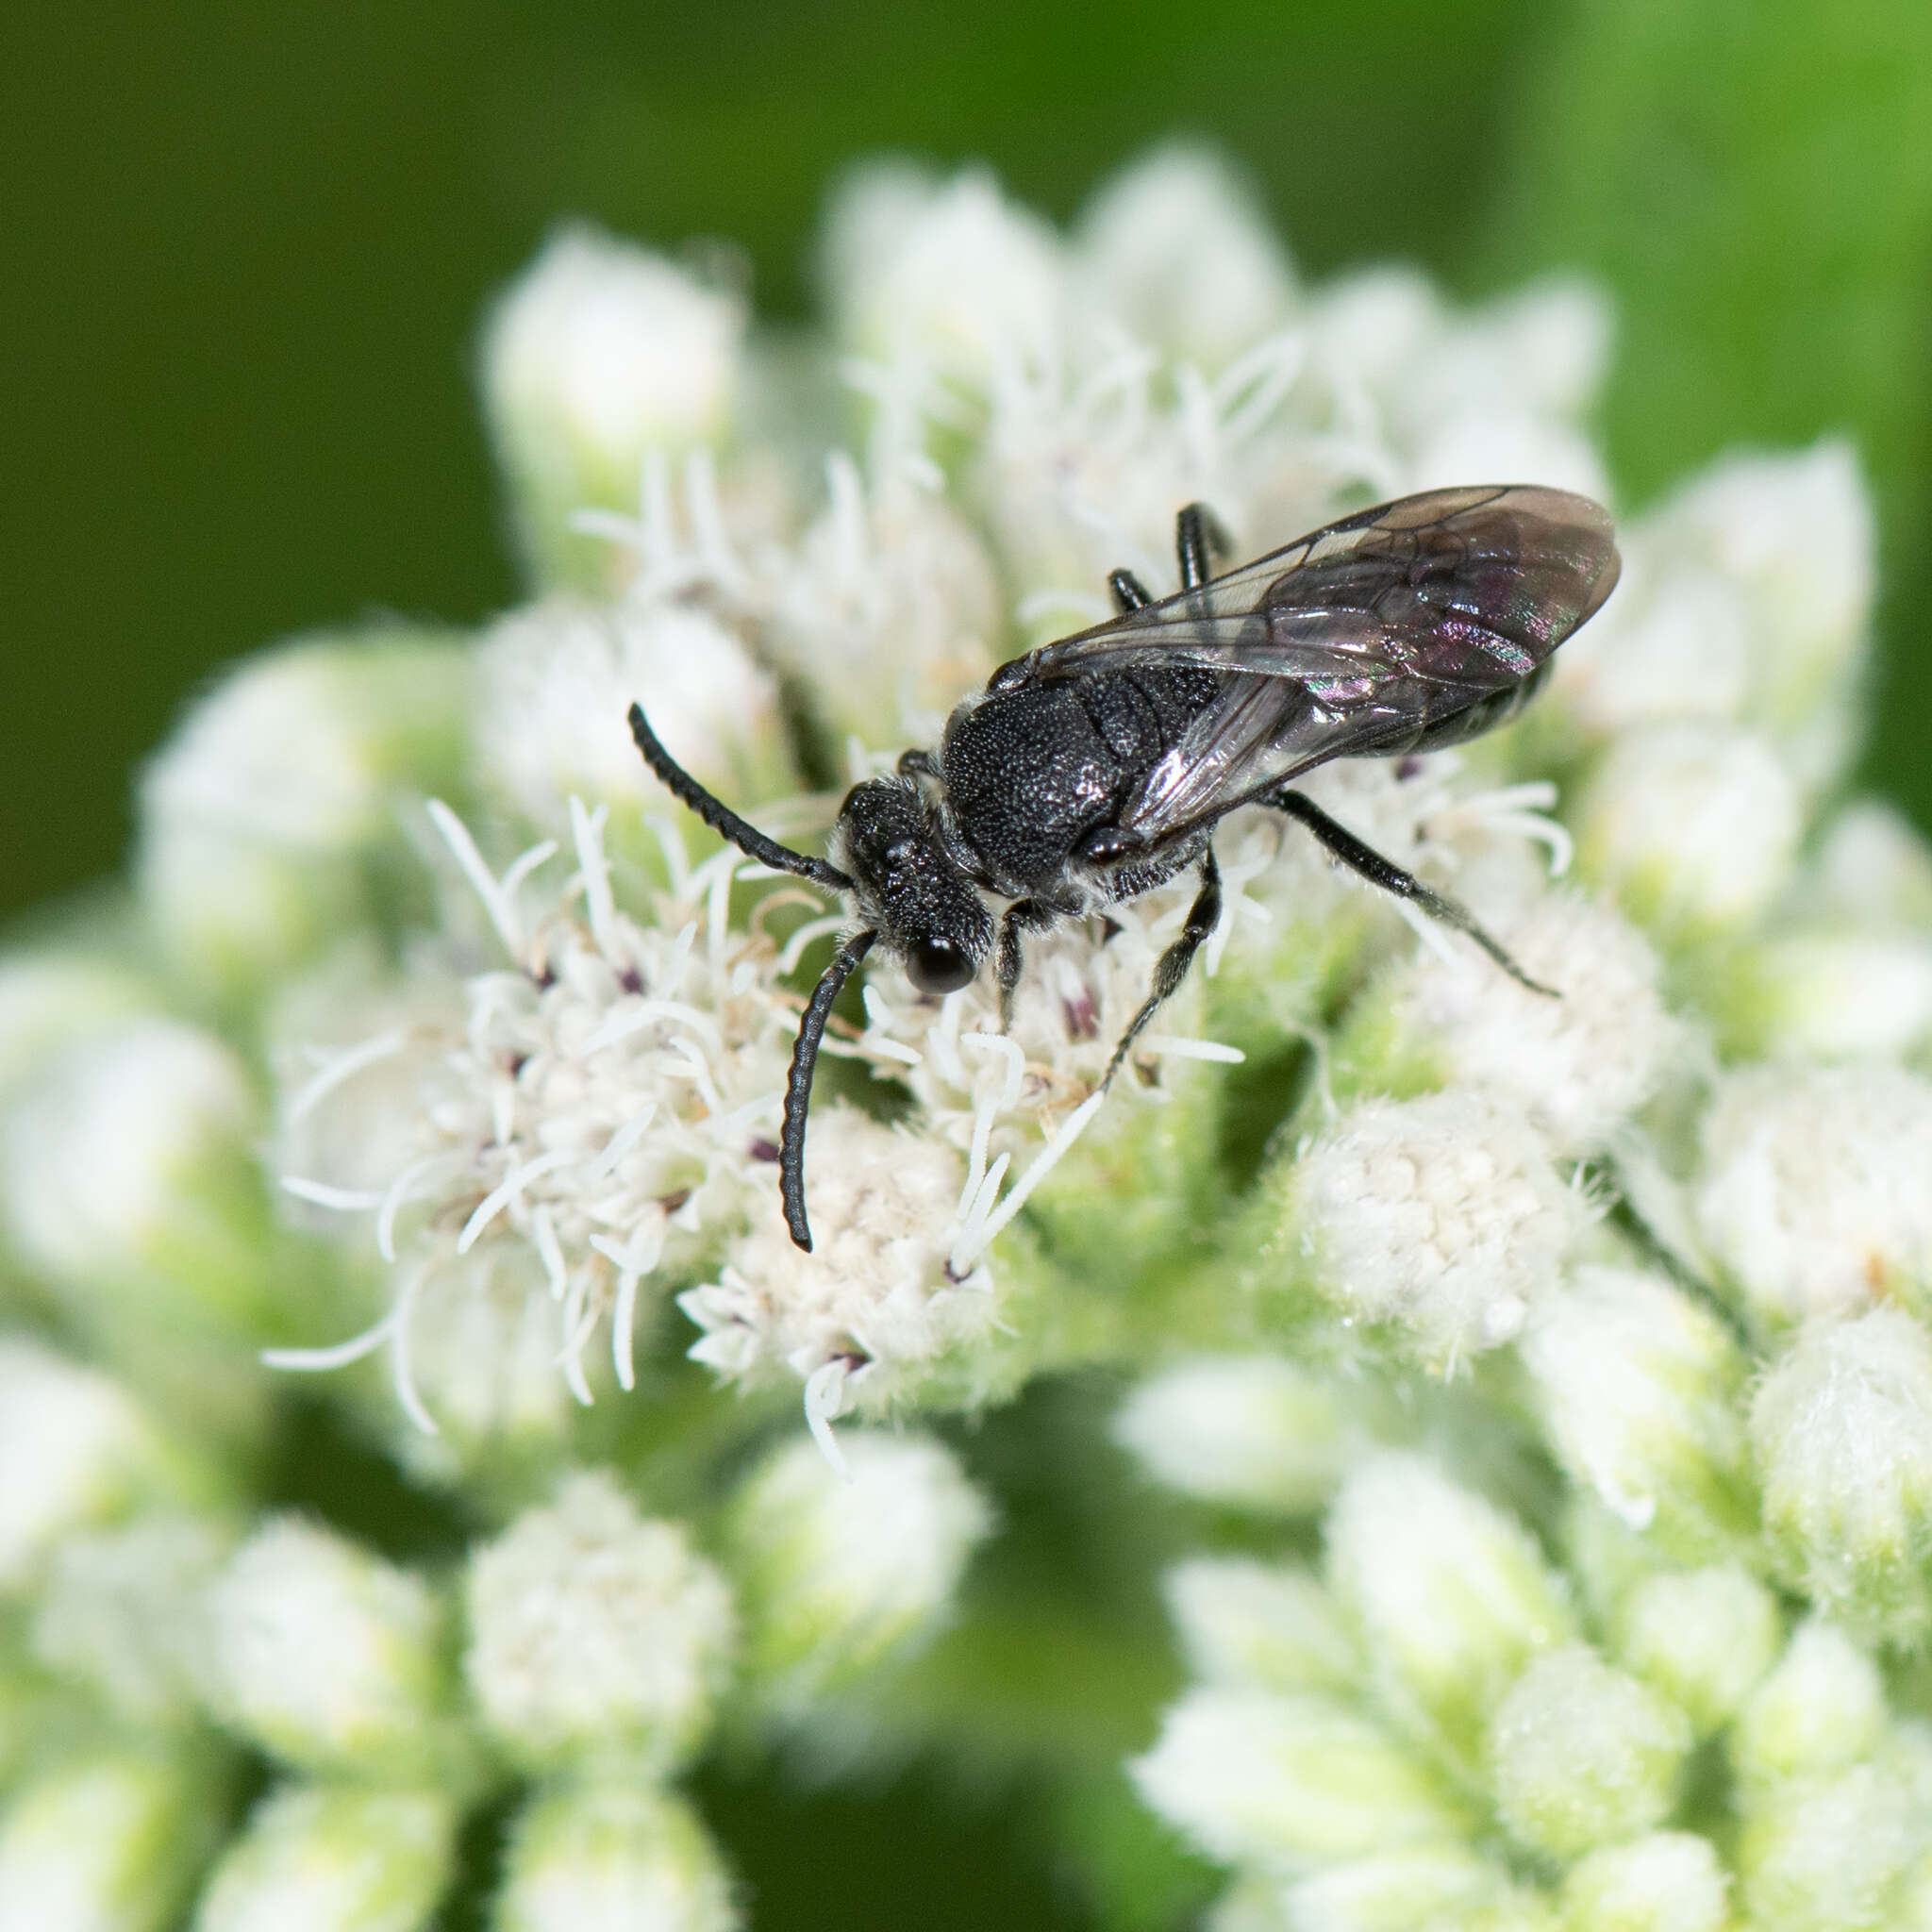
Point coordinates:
pixel 938 966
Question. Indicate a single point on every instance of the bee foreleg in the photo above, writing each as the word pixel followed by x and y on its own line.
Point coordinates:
pixel 1204 915
pixel 1368 863
pixel 1023 915
pixel 1129 593
pixel 1196 532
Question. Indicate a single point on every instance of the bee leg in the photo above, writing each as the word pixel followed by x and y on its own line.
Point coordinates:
pixel 1370 864
pixel 917 764
pixel 1196 531
pixel 1023 915
pixel 1172 967
pixel 1129 593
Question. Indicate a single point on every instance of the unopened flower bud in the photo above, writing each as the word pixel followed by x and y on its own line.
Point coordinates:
pixel 554 681
pixel 595 1632
pixel 1824 1854
pixel 1175 243
pixel 52 997
pixel 598 353
pixel 1289 1779
pixel 1694 825
pixel 330 1659
pixel 271 821
pixel 603 1857
pixel 1437 1886
pixel 1582 1754
pixel 333 1858
pixel 1843 1430
pixel 1439 1220
pixel 1704 1638
pixel 122 1611
pixel 1834 995
pixel 837 1573
pixel 130 1182
pixel 1639 1391
pixel 1821 1709
pixel 1254 1432
pixel 1263 1626
pixel 106 1843
pixel 1451 1595
pixel 76 1448
pixel 1667 1881
pixel 1811 1190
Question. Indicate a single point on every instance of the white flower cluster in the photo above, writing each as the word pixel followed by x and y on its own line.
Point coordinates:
pixel 1580 1326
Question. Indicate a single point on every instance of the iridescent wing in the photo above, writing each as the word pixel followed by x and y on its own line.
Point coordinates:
pixel 1356 639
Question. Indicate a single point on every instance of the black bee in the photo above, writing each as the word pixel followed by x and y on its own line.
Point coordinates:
pixel 1097 767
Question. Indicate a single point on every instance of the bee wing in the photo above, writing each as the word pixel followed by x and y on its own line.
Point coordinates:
pixel 1357 636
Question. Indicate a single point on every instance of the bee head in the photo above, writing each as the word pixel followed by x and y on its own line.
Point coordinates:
pixel 909 887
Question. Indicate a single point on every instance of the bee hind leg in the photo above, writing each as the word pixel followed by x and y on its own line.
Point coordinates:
pixel 1366 863
pixel 1172 967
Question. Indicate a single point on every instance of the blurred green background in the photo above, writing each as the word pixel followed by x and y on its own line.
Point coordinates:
pixel 249 240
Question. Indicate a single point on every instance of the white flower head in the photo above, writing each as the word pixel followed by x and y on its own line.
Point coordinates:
pixel 600 353
pixel 841 1572
pixel 328 1657
pixel 1256 1432
pixel 1665 1881
pixel 595 1632
pixel 598 1105
pixel 1286 1782
pixel 268 817
pixel 327 1857
pixel 128 1165
pixel 1582 1754
pixel 1578 1064
pixel 1811 1186
pixel 1703 1637
pixel 1451 1596
pixel 1175 245
pixel 76 1447
pixel 1638 1390
pixel 122 1611
pixel 1695 825
pixel 1439 1220
pixel 553 682
pixel 1263 1626
pixel 1842 1427
pixel 612 1857
pixel 111 1839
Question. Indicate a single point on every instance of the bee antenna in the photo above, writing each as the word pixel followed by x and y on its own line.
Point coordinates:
pixel 805 1057
pixel 723 820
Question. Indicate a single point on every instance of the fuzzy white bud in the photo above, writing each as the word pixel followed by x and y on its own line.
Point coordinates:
pixel 127 1177
pixel 555 680
pixel 1452 1597
pixel 52 997
pixel 1695 825
pixel 1842 1429
pixel 1667 1881
pixel 1254 1432
pixel 1704 1638
pixel 593 1631
pixel 1289 1780
pixel 1262 1625
pixel 1582 1754
pixel 1578 1065
pixel 1639 1391
pixel 1175 244
pixel 271 819
pixel 1439 1219
pixel 1821 1709
pixel 333 1858
pixel 76 1448
pixel 1840 995
pixel 1828 1854
pixel 122 1611
pixel 329 1659
pixel 106 1843
pixel 839 1572
pixel 1811 1190
pixel 1447 1886
pixel 600 353
pixel 609 1859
